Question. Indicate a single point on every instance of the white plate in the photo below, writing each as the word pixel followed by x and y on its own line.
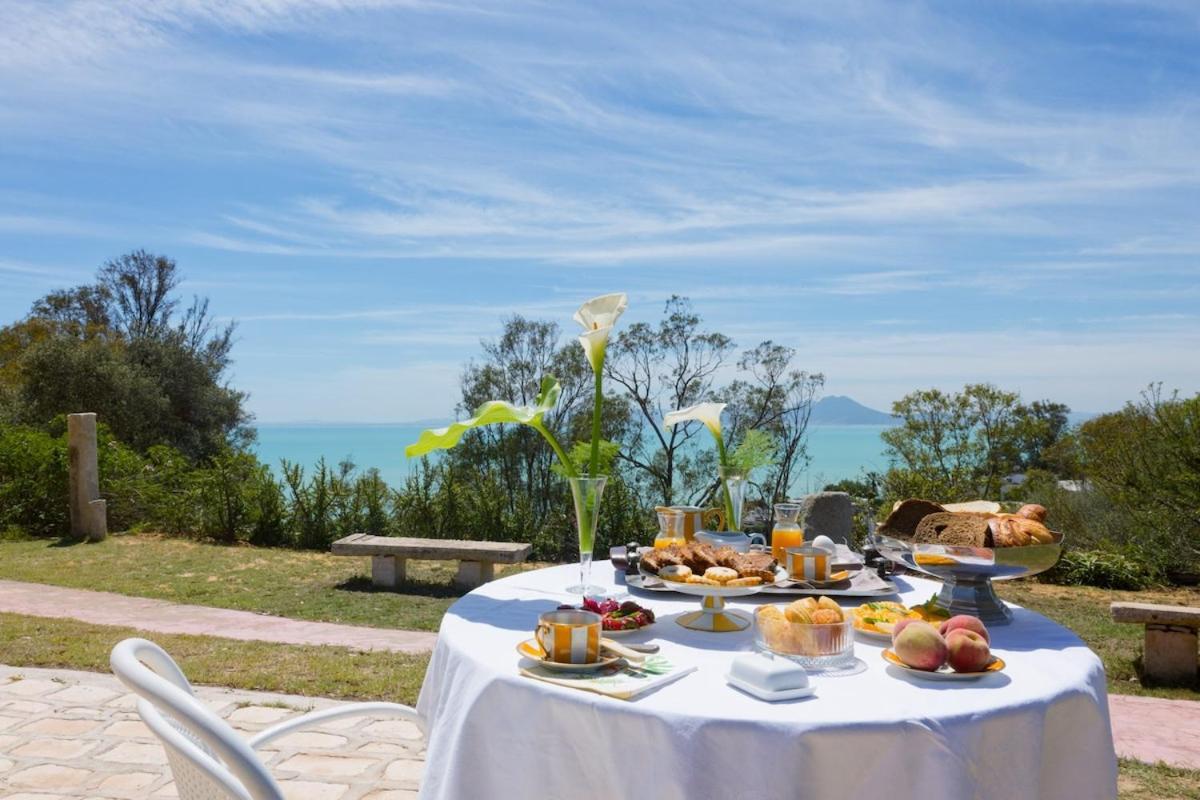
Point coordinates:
pixel 627 631
pixel 872 636
pixel 770 697
pixel 945 673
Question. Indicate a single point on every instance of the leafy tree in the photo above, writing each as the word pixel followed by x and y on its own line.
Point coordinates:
pixel 961 446
pixel 121 347
pixel 1146 460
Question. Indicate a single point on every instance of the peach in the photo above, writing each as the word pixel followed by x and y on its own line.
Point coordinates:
pixel 901 624
pixel 967 651
pixel 920 646
pixel 965 622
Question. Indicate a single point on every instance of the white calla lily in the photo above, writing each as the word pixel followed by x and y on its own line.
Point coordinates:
pixel 598 316
pixel 707 413
pixel 595 343
pixel 602 311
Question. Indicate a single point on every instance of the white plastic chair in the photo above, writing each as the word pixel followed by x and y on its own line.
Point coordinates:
pixel 208 759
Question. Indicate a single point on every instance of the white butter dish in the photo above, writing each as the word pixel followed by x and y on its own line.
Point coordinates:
pixel 765 676
pixel 770 697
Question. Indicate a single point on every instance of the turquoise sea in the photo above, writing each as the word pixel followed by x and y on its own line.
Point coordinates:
pixel 838 451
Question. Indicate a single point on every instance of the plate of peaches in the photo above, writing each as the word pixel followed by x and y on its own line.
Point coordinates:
pixel 957 650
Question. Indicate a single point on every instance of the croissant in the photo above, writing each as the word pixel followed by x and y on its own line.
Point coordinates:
pixel 1012 530
pixel 1033 511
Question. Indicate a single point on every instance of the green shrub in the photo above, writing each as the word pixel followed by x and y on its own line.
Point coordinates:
pixel 1100 568
pixel 33 482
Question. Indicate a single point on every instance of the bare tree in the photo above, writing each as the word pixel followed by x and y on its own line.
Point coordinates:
pixel 778 399
pixel 671 366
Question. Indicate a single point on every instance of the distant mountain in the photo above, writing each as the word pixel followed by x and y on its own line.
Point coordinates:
pixel 839 410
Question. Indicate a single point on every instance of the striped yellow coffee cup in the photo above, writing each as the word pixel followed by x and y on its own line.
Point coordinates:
pixel 808 563
pixel 570 637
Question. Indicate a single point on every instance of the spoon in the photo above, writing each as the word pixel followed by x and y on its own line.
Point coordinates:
pixel 617 647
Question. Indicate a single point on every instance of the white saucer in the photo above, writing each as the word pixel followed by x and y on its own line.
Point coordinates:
pixel 770 697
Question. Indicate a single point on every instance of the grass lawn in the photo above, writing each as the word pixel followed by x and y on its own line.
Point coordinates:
pixel 1138 781
pixel 287 583
pixel 292 669
pixel 1085 611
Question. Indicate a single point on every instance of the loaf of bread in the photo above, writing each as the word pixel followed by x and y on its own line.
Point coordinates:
pixel 906 515
pixel 954 528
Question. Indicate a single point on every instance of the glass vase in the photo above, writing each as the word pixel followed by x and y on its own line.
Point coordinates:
pixel 586 492
pixel 735 496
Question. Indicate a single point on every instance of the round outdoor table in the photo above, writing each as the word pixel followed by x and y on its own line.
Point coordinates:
pixel 1039 729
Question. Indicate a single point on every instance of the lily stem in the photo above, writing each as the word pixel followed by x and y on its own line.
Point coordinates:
pixel 598 403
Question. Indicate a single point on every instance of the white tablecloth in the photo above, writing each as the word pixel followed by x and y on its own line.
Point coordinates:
pixel 1040 729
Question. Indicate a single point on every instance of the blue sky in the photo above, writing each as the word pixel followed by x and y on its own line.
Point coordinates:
pixel 910 194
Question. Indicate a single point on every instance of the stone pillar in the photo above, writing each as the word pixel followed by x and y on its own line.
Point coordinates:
pixel 88 513
pixel 1169 657
pixel 827 514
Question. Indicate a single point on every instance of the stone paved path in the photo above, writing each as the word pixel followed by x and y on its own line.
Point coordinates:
pixel 1151 729
pixel 67 734
pixel 162 616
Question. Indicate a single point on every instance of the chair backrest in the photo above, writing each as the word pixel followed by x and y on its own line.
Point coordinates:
pixel 208 759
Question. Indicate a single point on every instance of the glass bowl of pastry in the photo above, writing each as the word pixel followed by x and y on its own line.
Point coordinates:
pixel 814 632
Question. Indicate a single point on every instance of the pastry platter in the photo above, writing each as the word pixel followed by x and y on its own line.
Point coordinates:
pixel 861 583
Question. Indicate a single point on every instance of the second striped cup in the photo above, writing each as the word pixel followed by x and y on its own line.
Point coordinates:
pixel 808 563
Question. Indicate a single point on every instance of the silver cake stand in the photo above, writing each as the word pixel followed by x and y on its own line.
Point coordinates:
pixel 967 572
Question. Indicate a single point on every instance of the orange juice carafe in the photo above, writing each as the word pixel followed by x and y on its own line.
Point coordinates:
pixel 786 532
pixel 670 529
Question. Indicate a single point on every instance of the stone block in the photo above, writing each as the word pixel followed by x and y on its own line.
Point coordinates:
pixel 1170 655
pixel 56 749
pixel 472 574
pixel 49 776
pixel 312 790
pixel 387 572
pixel 57 726
pixel 405 769
pixel 827 514
pixel 311 739
pixel 128 782
pixel 320 765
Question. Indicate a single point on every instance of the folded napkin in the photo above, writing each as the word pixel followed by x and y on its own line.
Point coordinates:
pixel 622 683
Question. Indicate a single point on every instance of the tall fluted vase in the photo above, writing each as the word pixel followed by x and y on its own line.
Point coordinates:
pixel 586 492
pixel 735 486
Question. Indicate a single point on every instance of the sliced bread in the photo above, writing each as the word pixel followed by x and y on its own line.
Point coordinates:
pixel 964 529
pixel 902 522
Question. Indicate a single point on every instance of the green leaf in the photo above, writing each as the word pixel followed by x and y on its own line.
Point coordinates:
pixel 490 413
pixel 756 450
pixel 581 454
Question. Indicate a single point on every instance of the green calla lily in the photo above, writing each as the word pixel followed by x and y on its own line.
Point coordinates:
pixel 495 412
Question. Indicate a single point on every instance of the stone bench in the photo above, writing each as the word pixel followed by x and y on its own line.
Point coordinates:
pixel 476 560
pixel 1170 651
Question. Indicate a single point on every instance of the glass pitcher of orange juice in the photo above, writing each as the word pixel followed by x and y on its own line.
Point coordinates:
pixel 670 529
pixel 786 532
